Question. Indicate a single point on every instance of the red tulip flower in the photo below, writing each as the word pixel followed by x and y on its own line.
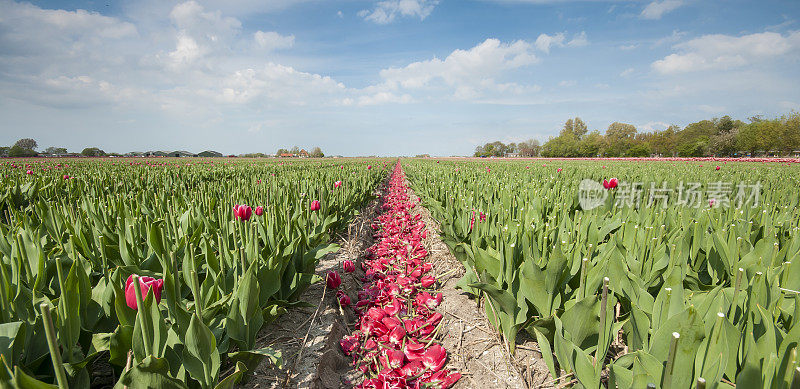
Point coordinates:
pixel 344 300
pixel 610 184
pixel 333 280
pixel 145 283
pixel 434 358
pixel 29 172
pixel 558 170
pixel 412 369
pixel 315 205
pixel 337 184
pixel 397 334
pixel 427 281
pixel 717 168
pixel 394 358
pixel 369 167
pixel 348 266
pixel 259 210
pixel 66 177
pixel 242 212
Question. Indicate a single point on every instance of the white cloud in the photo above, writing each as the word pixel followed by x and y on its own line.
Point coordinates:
pixel 383 98
pixel 387 11
pixel 196 62
pixel 567 83
pixel 272 40
pixel 544 41
pixel 626 72
pixel 211 25
pixel 653 126
pixel 724 51
pixel 676 36
pixel 467 74
pixel 628 47
pixel 578 40
pixel 657 9
pixel 186 52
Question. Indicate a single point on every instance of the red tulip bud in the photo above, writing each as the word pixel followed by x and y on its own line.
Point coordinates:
pixel 315 205
pixel 333 280
pixel 259 210
pixel 242 212
pixel 145 283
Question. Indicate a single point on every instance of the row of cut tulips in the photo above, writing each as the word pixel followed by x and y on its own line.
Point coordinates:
pixel 394 344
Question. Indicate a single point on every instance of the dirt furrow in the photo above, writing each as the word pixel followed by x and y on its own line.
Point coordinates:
pixel 475 348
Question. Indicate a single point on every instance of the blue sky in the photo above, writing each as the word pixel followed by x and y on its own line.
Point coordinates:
pixel 388 77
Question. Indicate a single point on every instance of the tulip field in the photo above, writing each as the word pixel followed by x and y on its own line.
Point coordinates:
pixel 160 271
pixel 692 288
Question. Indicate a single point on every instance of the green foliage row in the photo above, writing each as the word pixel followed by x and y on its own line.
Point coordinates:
pixel 604 290
pixel 70 244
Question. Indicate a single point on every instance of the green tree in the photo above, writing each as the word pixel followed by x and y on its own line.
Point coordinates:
pixel 316 152
pixel 529 148
pixel 494 149
pixel 724 144
pixel 639 149
pixel 591 145
pixel 27 144
pixel 790 133
pixel 4 151
pixel 21 152
pixel 619 138
pixel 575 127
pixel 55 150
pixel 93 152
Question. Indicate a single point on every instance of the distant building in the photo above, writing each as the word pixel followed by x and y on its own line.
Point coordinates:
pixel 303 154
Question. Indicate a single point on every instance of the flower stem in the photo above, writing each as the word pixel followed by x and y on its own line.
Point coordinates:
pixel 140 316
pixel 52 343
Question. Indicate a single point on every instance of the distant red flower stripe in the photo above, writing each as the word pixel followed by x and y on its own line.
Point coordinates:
pixel 394 341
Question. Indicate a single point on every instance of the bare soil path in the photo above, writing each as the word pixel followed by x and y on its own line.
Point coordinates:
pixel 474 348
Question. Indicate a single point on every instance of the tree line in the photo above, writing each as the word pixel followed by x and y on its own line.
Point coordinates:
pixel 720 137
pixel 26 147
pixel 316 152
